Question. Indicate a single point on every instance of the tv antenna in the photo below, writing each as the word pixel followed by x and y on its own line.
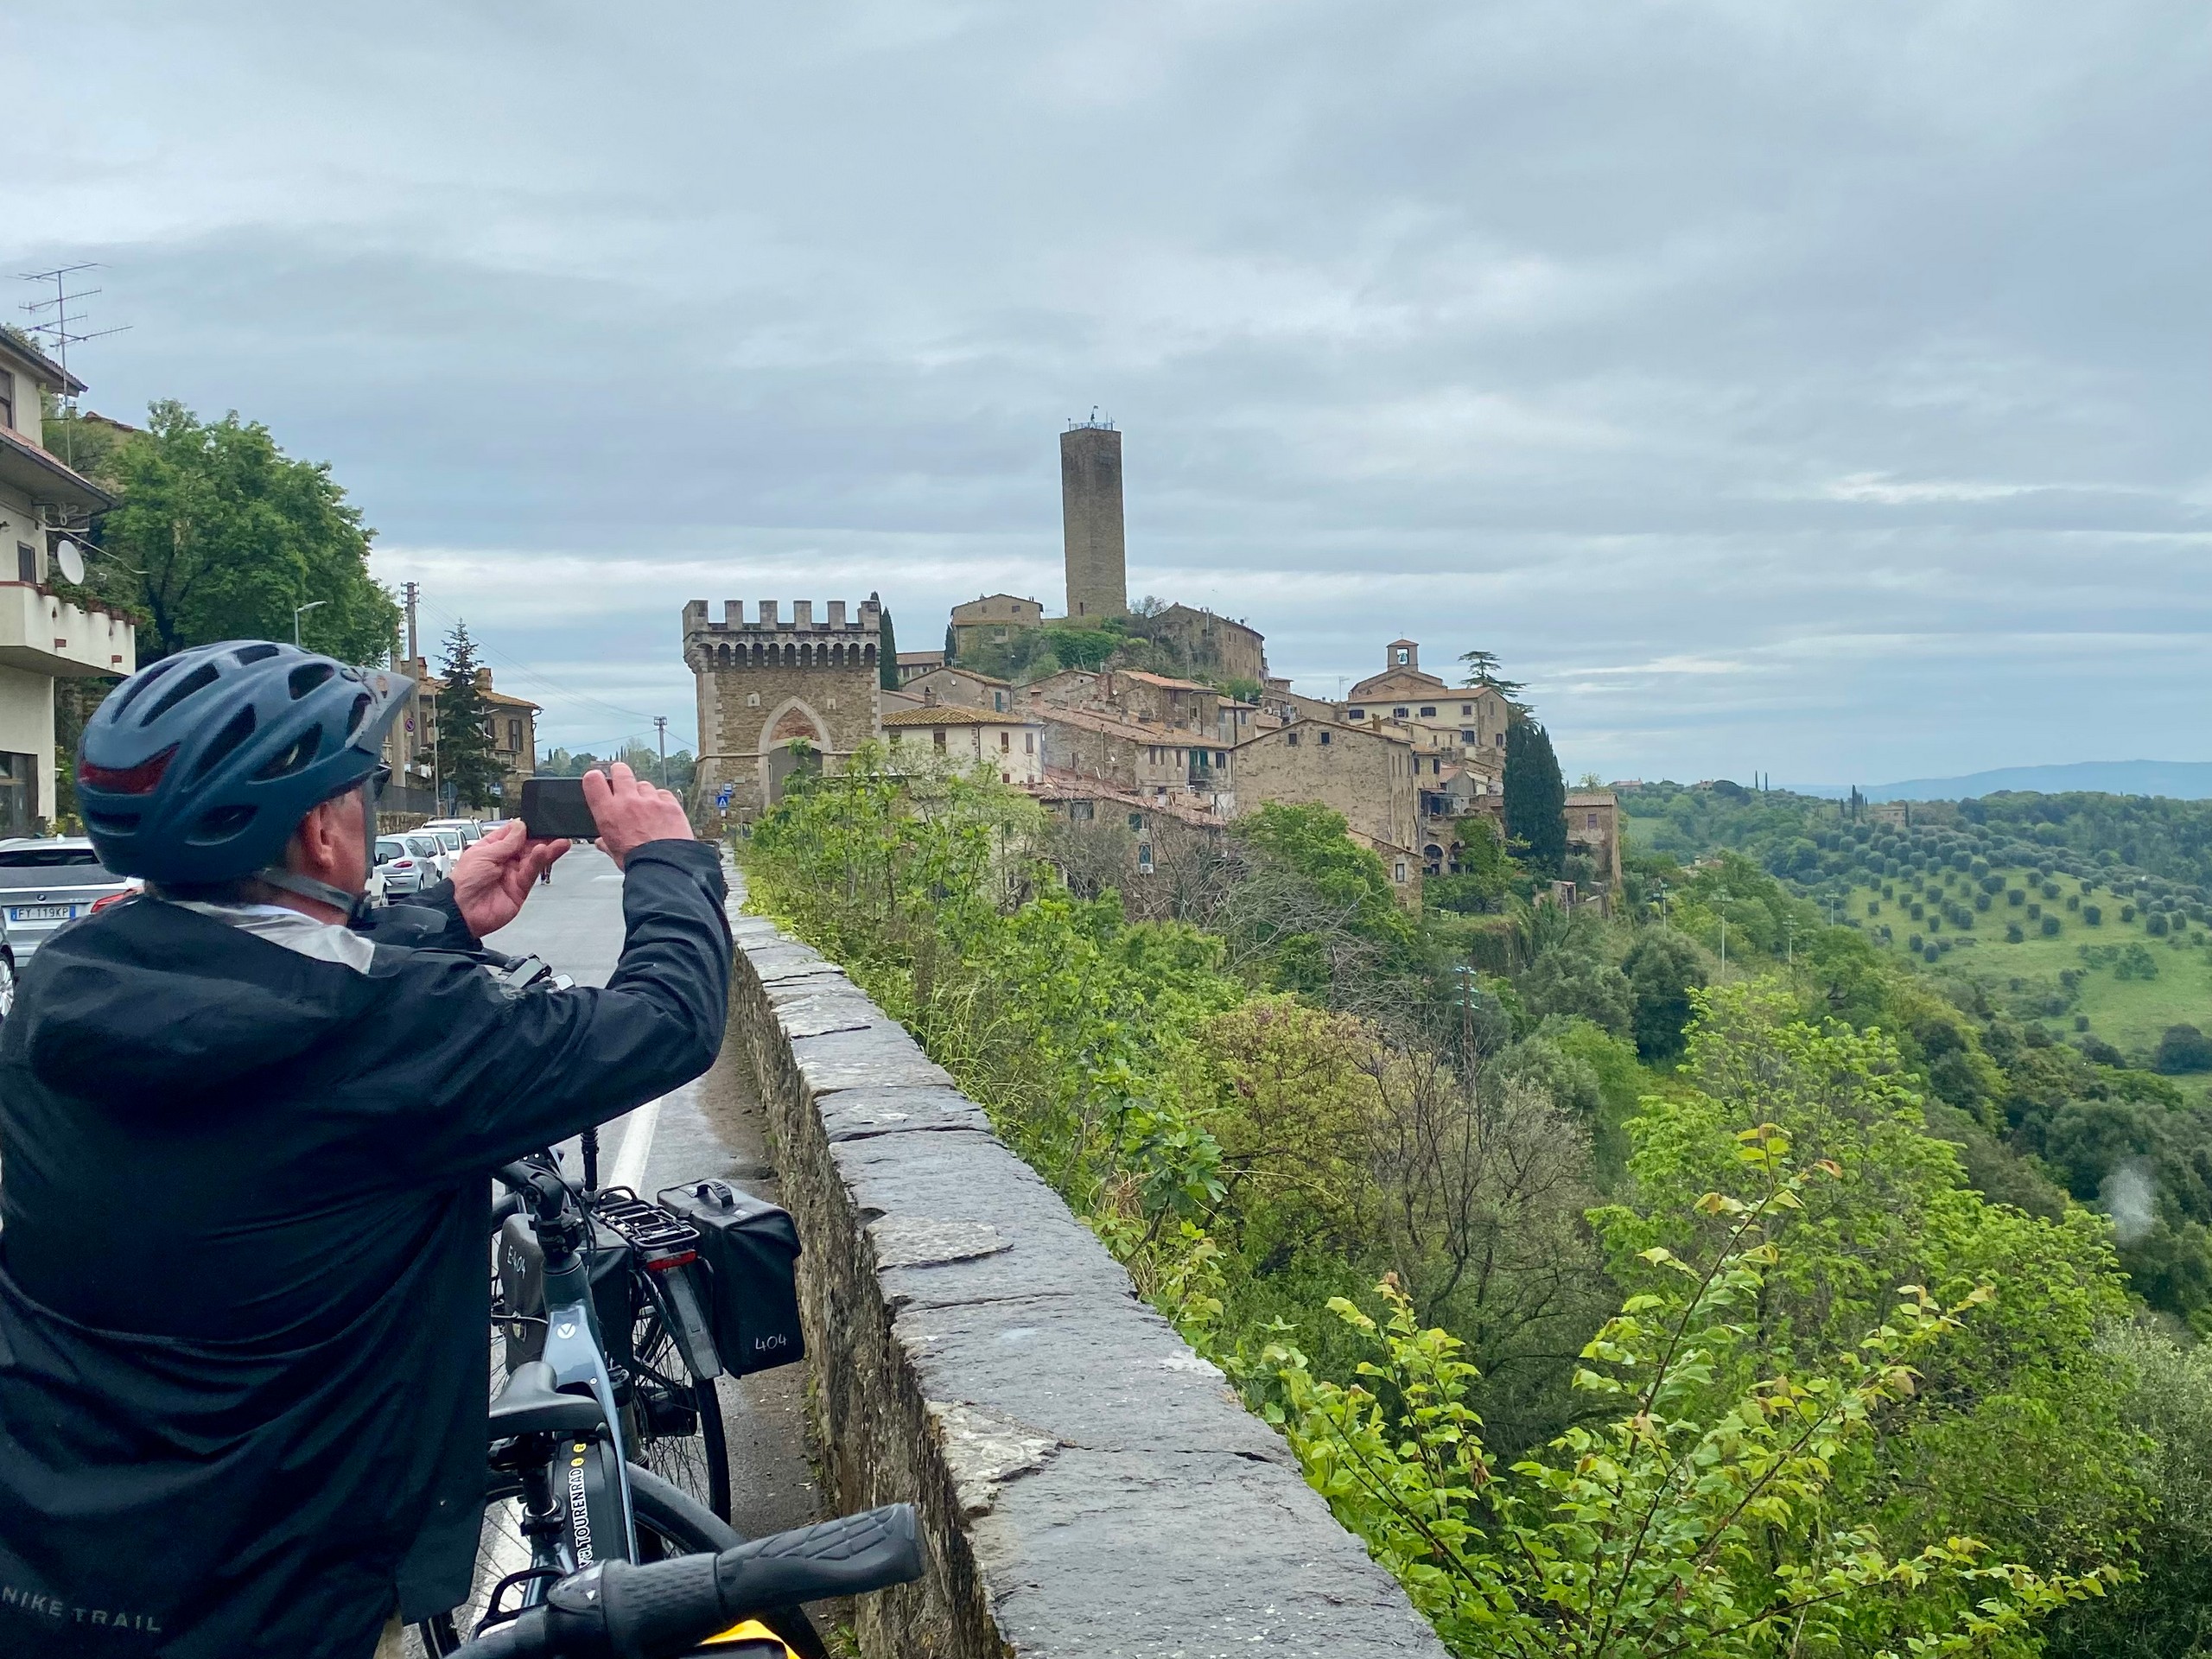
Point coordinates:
pixel 56 328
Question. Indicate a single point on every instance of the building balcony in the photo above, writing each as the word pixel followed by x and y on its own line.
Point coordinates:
pixel 46 635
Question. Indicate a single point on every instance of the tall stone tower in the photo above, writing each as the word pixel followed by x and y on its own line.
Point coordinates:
pixel 1091 510
pixel 776 696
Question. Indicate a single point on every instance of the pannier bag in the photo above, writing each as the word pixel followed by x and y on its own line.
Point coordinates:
pixel 751 1250
pixel 521 1266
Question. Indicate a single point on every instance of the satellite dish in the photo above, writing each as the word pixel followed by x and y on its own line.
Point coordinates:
pixel 68 560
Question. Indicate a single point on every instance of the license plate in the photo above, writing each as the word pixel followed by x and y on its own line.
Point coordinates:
pixel 41 912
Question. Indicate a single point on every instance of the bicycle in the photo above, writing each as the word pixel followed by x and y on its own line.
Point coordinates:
pixel 562 1496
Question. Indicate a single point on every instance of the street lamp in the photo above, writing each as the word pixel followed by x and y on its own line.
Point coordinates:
pixel 299 611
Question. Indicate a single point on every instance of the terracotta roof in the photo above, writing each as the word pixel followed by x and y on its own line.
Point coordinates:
pixel 917 657
pixel 1302 726
pixel 1059 785
pixel 1137 731
pixel 1376 687
pixel 1591 797
pixel 953 714
pixel 969 673
pixel 1143 678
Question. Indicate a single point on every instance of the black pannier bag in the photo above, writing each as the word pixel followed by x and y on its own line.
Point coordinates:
pixel 751 1249
pixel 521 1266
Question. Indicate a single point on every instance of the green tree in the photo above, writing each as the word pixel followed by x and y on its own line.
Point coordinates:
pixel 1664 968
pixel 887 655
pixel 1482 670
pixel 952 644
pixel 465 760
pixel 1535 798
pixel 220 535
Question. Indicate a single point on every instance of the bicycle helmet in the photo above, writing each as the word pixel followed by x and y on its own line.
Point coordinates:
pixel 198 769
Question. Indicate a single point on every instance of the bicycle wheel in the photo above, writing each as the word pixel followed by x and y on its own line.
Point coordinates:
pixel 670 1523
pixel 674 1421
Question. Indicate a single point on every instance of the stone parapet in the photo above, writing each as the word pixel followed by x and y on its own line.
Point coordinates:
pixel 1088 1485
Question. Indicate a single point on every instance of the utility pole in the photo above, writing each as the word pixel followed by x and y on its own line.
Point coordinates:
pixel 660 728
pixel 1662 907
pixel 409 591
pixel 1789 943
pixel 1722 898
pixel 299 611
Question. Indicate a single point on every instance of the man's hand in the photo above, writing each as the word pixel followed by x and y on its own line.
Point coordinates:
pixel 630 812
pixel 493 878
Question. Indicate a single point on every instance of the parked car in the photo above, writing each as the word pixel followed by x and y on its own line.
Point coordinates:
pixel 45 884
pixel 450 839
pixel 427 843
pixel 471 830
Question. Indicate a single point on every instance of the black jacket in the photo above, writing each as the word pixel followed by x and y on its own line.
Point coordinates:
pixel 244 1255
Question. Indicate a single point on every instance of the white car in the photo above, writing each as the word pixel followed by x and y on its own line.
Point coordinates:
pixel 425 844
pixel 402 871
pixel 471 830
pixel 449 840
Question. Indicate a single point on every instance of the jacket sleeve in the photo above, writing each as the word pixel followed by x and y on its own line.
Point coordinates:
pixel 497 1074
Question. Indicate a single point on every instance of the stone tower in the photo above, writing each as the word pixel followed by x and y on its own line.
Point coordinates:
pixel 1091 510
pixel 777 696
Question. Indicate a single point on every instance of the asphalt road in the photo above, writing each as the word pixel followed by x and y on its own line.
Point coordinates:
pixel 710 1129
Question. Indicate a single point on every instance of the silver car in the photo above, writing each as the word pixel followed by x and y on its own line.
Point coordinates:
pixel 43 884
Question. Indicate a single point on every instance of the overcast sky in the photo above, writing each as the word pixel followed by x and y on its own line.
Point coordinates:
pixel 1823 388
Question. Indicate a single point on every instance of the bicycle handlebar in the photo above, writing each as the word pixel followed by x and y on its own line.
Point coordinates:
pixel 666 1608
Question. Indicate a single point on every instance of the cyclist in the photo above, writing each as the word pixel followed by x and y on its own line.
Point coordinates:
pixel 245 1132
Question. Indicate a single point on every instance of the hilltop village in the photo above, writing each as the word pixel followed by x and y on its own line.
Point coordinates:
pixel 1165 718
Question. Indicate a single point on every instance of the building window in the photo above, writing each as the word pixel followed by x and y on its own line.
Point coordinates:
pixel 1137 820
pixel 1005 741
pixel 1397 713
pixel 1590 821
pixel 1324 740
pixel 26 561
pixel 998 636
pixel 514 736
pixel 1355 713
pixel 1469 737
pixel 998 702
pixel 7 400
pixel 1466 709
pixel 1029 742
pixel 1399 870
pixel 1292 739
pixel 1436 768
pixel 1081 811
pixel 1428 714
pixel 1144 858
pixel 18 794
pixel 937 738
pixel 1501 740
pixel 1404 659
pixel 1219 758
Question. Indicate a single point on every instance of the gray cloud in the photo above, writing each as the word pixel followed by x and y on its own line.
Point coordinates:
pixel 1817 389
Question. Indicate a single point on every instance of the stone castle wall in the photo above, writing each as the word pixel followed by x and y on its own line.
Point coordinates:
pixel 769 683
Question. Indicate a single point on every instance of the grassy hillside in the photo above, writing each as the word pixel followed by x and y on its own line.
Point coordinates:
pixel 2063 856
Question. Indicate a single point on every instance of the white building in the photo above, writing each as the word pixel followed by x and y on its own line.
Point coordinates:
pixel 964 736
pixel 43 636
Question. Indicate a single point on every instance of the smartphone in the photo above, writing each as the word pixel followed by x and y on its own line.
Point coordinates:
pixel 554 809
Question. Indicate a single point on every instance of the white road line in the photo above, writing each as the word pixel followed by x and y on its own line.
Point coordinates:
pixel 637 1145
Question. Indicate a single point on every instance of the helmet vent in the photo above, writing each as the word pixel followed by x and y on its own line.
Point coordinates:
pixel 361 707
pixel 113 823
pixel 136 688
pixel 199 680
pixel 308 675
pixel 239 729
pixel 222 824
pixel 257 654
pixel 294 758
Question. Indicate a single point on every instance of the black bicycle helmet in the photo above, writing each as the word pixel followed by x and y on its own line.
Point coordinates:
pixel 197 769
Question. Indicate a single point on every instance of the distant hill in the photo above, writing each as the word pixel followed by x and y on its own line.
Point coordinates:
pixel 2180 780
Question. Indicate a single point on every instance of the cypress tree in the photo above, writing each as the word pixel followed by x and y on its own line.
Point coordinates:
pixel 465 760
pixel 886 656
pixel 1535 798
pixel 951 645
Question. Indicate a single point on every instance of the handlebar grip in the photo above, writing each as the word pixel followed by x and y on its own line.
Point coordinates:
pixel 844 1557
pixel 667 1607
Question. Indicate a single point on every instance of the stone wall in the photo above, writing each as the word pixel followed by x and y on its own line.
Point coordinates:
pixel 1088 1485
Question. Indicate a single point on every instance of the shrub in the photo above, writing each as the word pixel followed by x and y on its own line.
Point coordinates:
pixel 2073 901
pixel 1919 909
pixel 2183 1048
pixel 2051 889
pixel 2080 1022
pixel 2093 915
pixel 1913 943
pixel 2128 912
pixel 2155 926
pixel 1936 951
pixel 2034 911
pixel 2050 927
pixel 2015 896
pixel 1873 906
pixel 2012 934
pixel 1981 901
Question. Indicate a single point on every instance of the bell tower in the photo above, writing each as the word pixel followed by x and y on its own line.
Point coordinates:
pixel 1090 515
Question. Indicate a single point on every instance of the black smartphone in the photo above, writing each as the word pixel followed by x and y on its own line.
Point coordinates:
pixel 554 809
